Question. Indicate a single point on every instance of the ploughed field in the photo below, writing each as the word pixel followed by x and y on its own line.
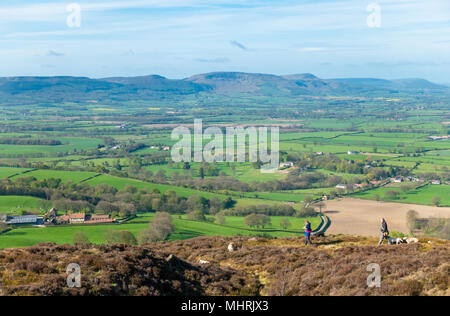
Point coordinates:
pixel 362 217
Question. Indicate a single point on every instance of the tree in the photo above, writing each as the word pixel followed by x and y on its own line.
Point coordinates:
pixel 3 227
pixel 257 220
pixel 436 201
pixel 197 202
pixel 127 237
pixel 163 223
pixel 321 206
pixel 306 212
pixel 411 219
pixel 215 205
pixel 263 221
pixel 80 238
pixel 220 219
pixel 196 215
pixel 391 194
pixel 228 203
pixel 251 220
pixel 159 230
pixel 406 187
pixel 285 223
pixel 308 200
pixel 120 237
pixel 45 205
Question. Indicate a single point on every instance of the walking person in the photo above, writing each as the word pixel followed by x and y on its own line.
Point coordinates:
pixel 308 232
pixel 384 231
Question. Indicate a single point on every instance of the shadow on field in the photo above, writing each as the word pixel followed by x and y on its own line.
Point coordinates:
pixel 12 233
pixel 320 241
pixel 188 233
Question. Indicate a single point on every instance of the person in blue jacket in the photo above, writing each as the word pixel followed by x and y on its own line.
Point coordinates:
pixel 308 232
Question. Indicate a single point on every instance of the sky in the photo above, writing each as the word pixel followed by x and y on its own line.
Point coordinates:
pixel 178 38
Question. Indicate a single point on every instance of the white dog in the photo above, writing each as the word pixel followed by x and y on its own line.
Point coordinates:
pixel 411 240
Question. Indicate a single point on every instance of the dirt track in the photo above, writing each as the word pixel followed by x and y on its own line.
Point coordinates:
pixel 362 217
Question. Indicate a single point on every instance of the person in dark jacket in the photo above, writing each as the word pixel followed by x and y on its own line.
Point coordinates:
pixel 308 232
pixel 384 231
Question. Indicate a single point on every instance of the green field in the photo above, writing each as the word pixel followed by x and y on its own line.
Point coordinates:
pixel 422 195
pixel 9 172
pixel 74 176
pixel 184 229
pixel 120 183
pixel 116 142
pixel 17 204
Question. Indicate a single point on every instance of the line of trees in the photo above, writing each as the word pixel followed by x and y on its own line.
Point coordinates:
pixel 30 141
pixel 105 199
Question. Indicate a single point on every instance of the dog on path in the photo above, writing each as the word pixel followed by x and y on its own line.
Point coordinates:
pixel 399 241
pixel 410 240
pixel 395 241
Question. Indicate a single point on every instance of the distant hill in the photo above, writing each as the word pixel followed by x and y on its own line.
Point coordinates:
pixel 158 83
pixel 17 90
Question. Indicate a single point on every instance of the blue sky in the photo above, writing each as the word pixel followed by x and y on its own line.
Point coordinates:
pixel 179 38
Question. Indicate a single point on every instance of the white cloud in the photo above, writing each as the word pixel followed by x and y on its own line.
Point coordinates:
pixel 312 49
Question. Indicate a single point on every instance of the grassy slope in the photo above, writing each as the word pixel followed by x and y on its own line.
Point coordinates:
pixel 422 195
pixel 184 229
pixel 15 204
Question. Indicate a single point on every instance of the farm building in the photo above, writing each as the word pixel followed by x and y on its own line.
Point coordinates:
pixel 63 219
pixel 436 182
pixel 99 219
pixel 439 137
pixel 398 179
pixel 351 152
pixel 341 186
pixel 23 220
pixel 81 218
pixel 285 165
pixel 77 218
pixel 413 179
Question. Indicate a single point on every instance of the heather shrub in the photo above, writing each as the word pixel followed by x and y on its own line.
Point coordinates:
pixel 407 288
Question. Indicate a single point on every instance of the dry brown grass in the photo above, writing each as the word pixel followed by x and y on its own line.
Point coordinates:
pixel 336 265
